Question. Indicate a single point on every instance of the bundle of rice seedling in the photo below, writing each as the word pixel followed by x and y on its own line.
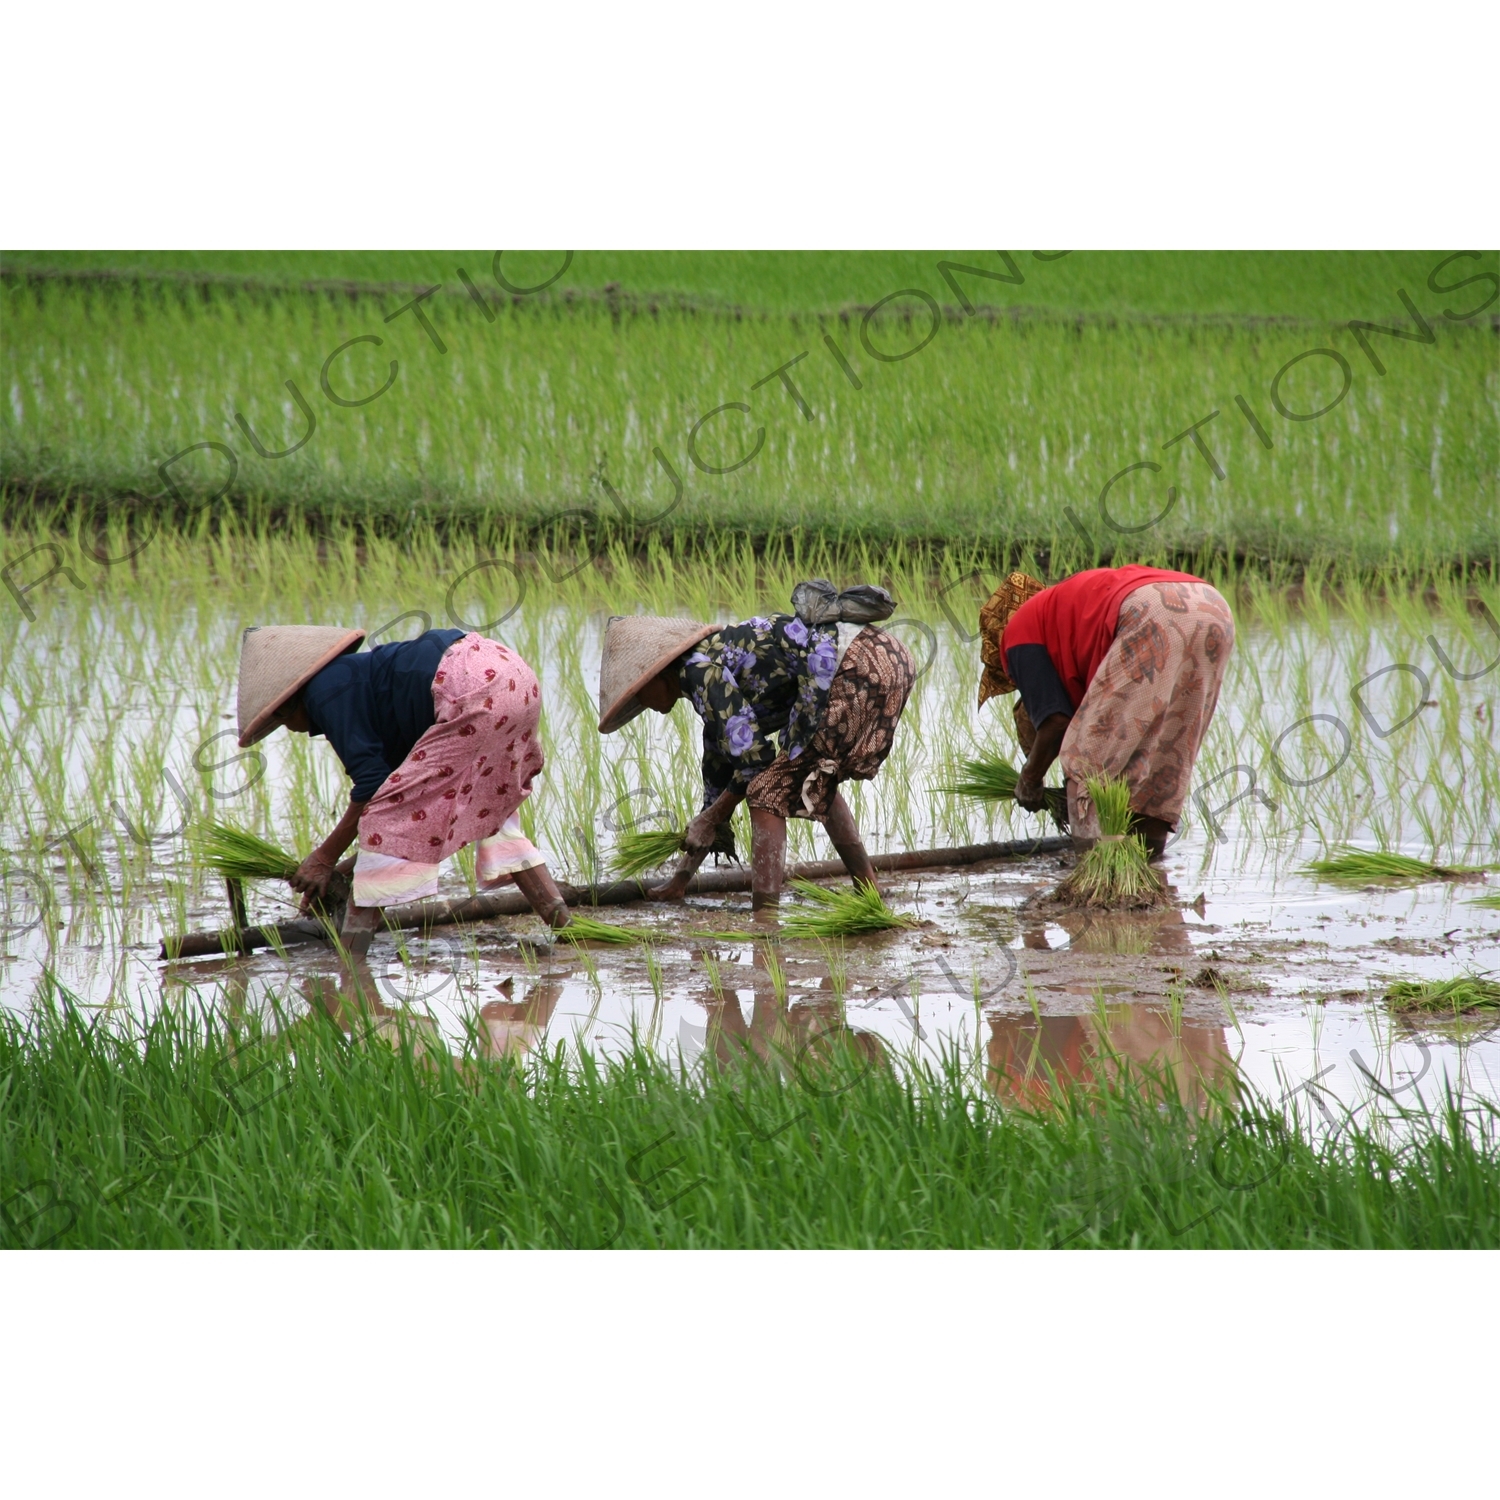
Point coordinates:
pixel 582 929
pixel 992 778
pixel 638 852
pixel 842 912
pixel 1117 870
pixel 240 855
pixel 1365 864
pixel 1447 996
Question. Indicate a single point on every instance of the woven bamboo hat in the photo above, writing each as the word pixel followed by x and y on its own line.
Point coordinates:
pixel 277 660
pixel 994 616
pixel 636 648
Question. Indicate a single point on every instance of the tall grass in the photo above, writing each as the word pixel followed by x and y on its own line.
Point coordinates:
pixel 183 1134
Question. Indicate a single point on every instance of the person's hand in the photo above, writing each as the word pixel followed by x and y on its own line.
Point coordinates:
pixel 311 877
pixel 674 890
pixel 1030 793
pixel 701 833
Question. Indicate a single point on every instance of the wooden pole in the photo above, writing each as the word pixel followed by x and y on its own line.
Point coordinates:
pixel 423 915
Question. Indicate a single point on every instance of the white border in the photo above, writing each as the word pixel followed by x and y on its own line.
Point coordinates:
pixel 741 1374
pixel 790 124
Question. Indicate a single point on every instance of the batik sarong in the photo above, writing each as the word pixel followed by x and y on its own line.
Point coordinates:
pixel 865 701
pixel 1147 709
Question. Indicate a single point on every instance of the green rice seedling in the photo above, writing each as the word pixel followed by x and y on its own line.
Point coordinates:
pixel 1445 996
pixel 583 929
pixel 1116 871
pixel 239 855
pixel 776 973
pixel 842 913
pixel 992 778
pixel 715 975
pixel 635 853
pixel 1364 864
pixel 1490 900
pixel 654 974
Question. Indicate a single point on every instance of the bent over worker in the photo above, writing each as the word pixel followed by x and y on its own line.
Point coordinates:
pixel 824 681
pixel 1118 671
pixel 438 735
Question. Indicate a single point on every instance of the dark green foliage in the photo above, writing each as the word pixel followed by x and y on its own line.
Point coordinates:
pixel 179 1136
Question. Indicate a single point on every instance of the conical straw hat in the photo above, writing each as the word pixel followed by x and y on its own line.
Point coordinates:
pixel 276 660
pixel 636 648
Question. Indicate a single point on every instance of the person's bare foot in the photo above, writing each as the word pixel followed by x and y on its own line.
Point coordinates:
pixel 1154 834
pixel 358 931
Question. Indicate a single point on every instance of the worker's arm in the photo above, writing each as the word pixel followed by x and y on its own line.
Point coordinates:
pixel 314 873
pixel 700 838
pixel 1044 750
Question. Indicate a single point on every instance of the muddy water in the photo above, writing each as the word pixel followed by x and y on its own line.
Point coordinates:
pixel 1271 978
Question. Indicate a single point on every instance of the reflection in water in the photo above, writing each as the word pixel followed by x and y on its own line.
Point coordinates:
pixel 354 1000
pixel 790 1029
pixel 1030 1057
pixel 1130 934
pixel 510 1027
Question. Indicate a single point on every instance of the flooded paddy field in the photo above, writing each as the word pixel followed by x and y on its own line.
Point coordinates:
pixel 1347 718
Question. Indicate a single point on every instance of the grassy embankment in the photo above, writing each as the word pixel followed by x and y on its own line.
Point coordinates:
pixel 185 1135
pixel 989 433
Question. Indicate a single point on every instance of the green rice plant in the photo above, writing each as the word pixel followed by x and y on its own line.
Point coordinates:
pixel 1445 996
pixel 104 377
pixel 1490 900
pixel 842 913
pixel 1116 871
pixel 240 855
pixel 445 1153
pixel 1364 864
pixel 635 853
pixel 992 778
pixel 582 929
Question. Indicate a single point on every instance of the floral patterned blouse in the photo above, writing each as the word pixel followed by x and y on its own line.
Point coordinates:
pixel 769 675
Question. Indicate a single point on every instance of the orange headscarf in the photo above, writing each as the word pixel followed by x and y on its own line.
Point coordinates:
pixel 994 615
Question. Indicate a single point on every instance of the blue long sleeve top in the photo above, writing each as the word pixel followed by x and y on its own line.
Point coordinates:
pixel 373 706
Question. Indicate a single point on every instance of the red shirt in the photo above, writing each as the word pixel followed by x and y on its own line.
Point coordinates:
pixel 1075 620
